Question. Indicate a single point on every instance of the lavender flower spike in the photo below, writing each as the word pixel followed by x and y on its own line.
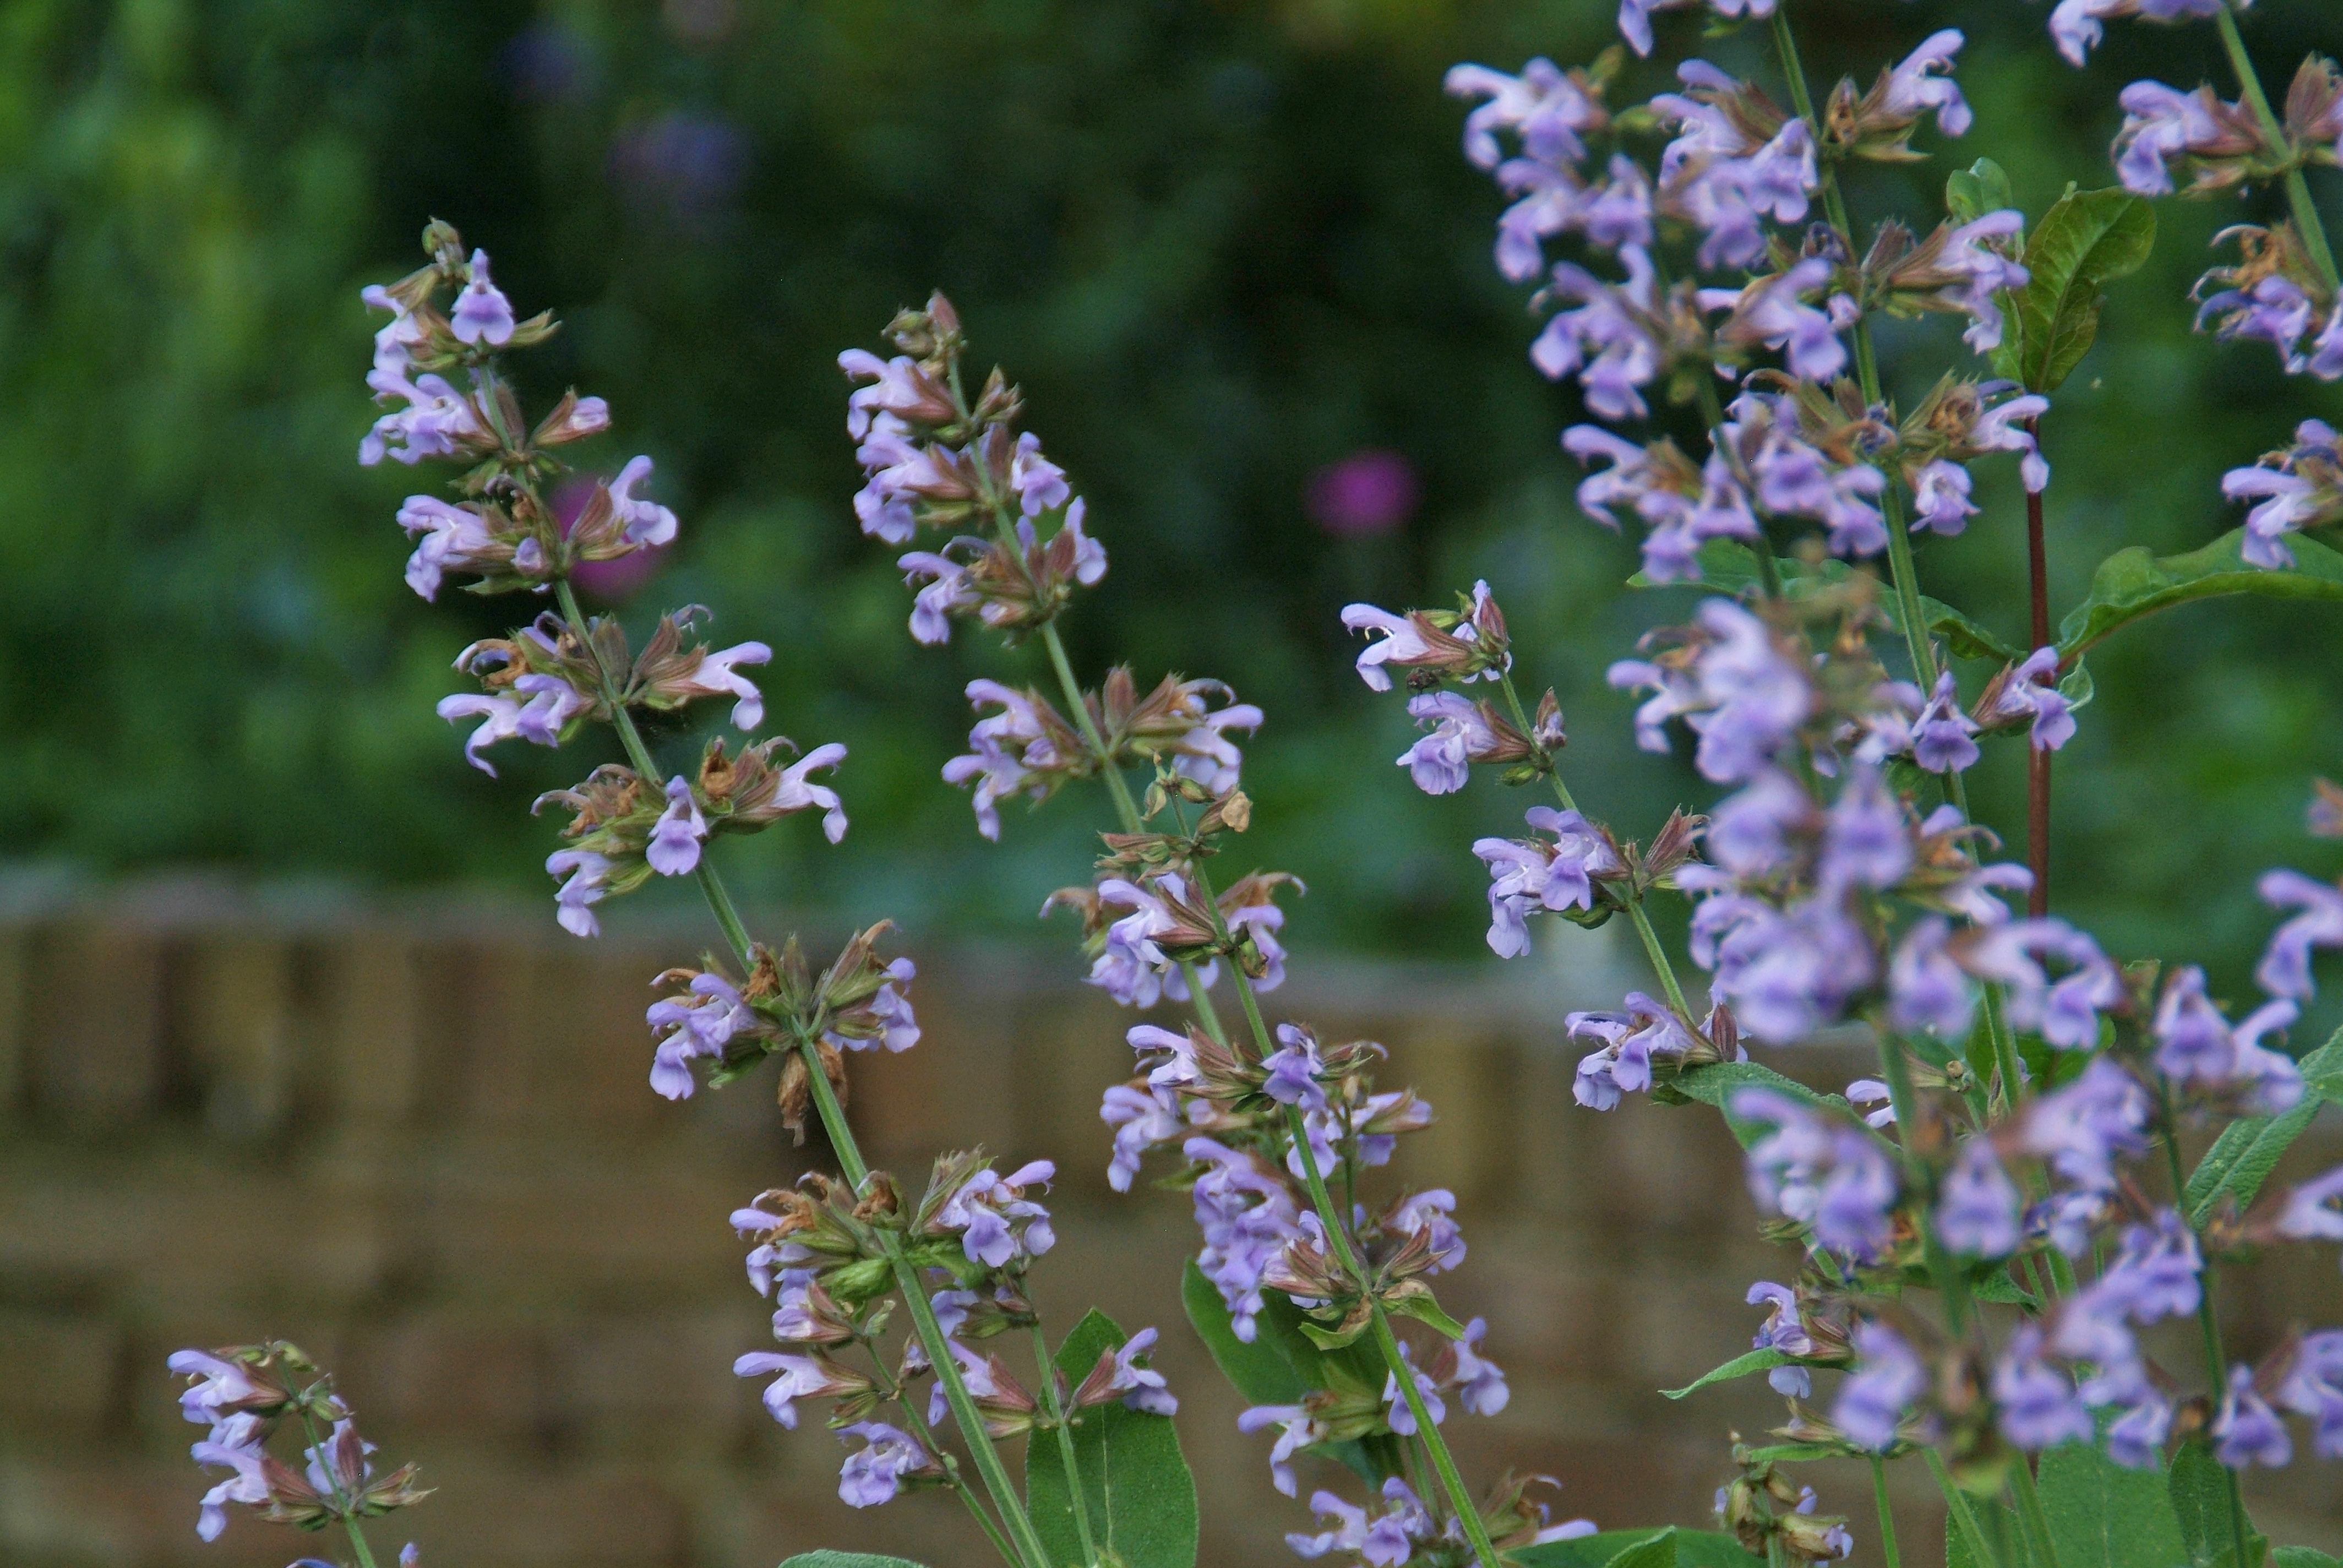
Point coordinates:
pixel 235 1443
pixel 675 837
pixel 875 1474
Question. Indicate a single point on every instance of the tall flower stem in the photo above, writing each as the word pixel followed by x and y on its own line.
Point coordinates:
pixel 2037 758
pixel 1661 966
pixel 842 1143
pixel 1887 1551
pixel 1964 1516
pixel 1050 1407
pixel 919 1428
pixel 1125 808
pixel 2297 189
pixel 2209 1320
pixel 1866 361
pixel 342 1505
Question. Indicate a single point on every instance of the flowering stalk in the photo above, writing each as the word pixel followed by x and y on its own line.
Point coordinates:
pixel 2209 1320
pixel 2298 188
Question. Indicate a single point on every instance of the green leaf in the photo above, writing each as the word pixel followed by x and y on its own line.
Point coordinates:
pixel 1714 1083
pixel 2102 1515
pixel 1652 1552
pixel 1729 568
pixel 2132 583
pixel 1997 1285
pixel 1976 190
pixel 2087 240
pixel 1425 1310
pixel 2250 1149
pixel 1136 1489
pixel 1280 1367
pixel 2199 1486
pixel 2302 1557
pixel 1957 1546
pixel 1738 1367
pixel 1693 1549
pixel 829 1558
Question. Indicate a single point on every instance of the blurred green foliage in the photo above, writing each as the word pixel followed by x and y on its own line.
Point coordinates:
pixel 1222 246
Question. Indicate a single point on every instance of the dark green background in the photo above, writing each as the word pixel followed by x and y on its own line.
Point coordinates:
pixel 1220 245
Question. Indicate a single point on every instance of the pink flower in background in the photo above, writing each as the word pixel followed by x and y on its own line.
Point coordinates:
pixel 1371 491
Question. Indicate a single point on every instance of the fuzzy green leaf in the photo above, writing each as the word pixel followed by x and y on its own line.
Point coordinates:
pixel 2199 1486
pixel 1956 1543
pixel 829 1558
pixel 1426 1311
pixel 2302 1557
pixel 1136 1489
pixel 1280 1367
pixel 1976 190
pixel 2132 583
pixel 2087 240
pixel 2249 1148
pixel 1652 1552
pixel 1740 1366
pixel 2102 1515
pixel 1693 1547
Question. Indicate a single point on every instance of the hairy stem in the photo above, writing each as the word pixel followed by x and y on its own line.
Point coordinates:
pixel 1661 966
pixel 1125 808
pixel 2297 189
pixel 1950 1282
pixel 842 1143
pixel 1050 1407
pixel 1887 1551
pixel 2029 1510
pixel 2037 758
pixel 920 1428
pixel 1963 1517
pixel 2209 1320
pixel 357 1542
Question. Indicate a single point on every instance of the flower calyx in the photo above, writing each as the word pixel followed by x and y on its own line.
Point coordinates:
pixel 1761 1505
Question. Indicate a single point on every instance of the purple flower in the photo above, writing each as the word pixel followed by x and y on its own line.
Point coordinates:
pixel 1140 1388
pixel 2039 1406
pixel 1607 339
pixel 2314 1387
pixel 1721 180
pixel 482 313
pixel 1398 1412
pixel 2031 691
pixel 1969 250
pixel 2074 23
pixel 874 1475
pixel 2247 1432
pixel 1772 311
pixel 1387 1540
pixel 1141 1120
pixel 2307 1215
pixel 647 522
pixel 447 538
pixel 1527 874
pixel 1039 483
pixel 1828 1176
pixel 1757 697
pixel 1940 734
pixel 1927 986
pixel 438 422
pixel 1132 968
pixel 587 882
pixel 1749 832
pixel 1870 1091
pixel 1432 1214
pixel 2155 1276
pixel 701 1027
pixel 1940 498
pixel 998 1224
pixel 1297 1430
pixel 1786 972
pixel 675 837
pixel 1865 841
pixel 1294 1070
pixel 1657 482
pixel 1541 105
pixel 1626 1043
pixel 2001 429
pixel 2297 489
pixel 1011 752
pixel 2081 1128
pixel 1795 480
pixel 891 1007
pixel 801 1377
pixel 1247 1214
pixel 2285 968
pixel 2161 125
pixel 1914 87
pixel 1978 1208
pixel 1441 762
pixel 1479 1381
pixel 1785 1332
pixel 942 591
pixel 235 1444
pixel 1877 1398
pixel 221 1388
pixel 2192 1037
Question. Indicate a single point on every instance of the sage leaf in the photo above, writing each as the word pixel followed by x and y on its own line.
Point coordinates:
pixel 2133 582
pixel 1136 1489
pixel 2087 240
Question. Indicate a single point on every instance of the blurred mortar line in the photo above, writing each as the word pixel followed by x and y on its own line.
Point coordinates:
pixel 413 1132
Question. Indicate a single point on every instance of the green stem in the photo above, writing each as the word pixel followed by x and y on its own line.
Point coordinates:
pixel 2209 1320
pixel 1642 921
pixel 1905 574
pixel 931 1333
pixel 2005 1048
pixel 2029 1509
pixel 357 1542
pixel 1964 1520
pixel 2297 189
pixel 1950 1282
pixel 343 1506
pixel 1887 1515
pixel 1125 808
pixel 918 1425
pixel 1050 1407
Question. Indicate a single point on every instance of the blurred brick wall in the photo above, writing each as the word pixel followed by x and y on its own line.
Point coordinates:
pixel 420 1143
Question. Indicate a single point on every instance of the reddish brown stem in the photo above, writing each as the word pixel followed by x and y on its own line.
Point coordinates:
pixel 2038 760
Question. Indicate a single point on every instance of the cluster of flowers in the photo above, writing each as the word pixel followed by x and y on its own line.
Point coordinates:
pixel 244 1394
pixel 821 1258
pixel 1810 451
